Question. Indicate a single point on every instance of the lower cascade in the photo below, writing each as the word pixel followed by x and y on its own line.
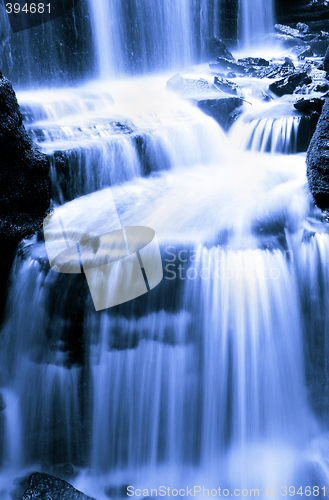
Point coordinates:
pixel 215 381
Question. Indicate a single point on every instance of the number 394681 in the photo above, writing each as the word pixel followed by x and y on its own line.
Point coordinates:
pixel 32 8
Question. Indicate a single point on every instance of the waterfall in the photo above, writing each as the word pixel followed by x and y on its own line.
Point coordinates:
pixel 219 375
pixel 273 128
pixel 256 20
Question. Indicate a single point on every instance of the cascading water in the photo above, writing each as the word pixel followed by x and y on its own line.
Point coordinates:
pixel 214 377
pixel 256 20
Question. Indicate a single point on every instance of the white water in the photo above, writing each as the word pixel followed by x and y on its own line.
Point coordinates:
pixel 185 387
pixel 256 20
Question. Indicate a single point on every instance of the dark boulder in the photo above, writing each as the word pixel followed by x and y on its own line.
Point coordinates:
pixel 318 160
pixel 217 48
pixel 309 105
pixel 223 110
pixel 289 84
pixel 24 182
pixel 46 487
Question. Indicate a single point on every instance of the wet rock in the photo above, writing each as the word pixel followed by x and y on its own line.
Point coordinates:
pixel 217 48
pixel 227 65
pixel 46 487
pixel 326 61
pixel 222 110
pixel 313 13
pixel 231 74
pixel 287 65
pixel 226 86
pixel 286 30
pixel 302 51
pixel 309 105
pixel 289 84
pixel 176 83
pixel 306 129
pixel 318 160
pixel 254 61
pixel 188 87
pixel 321 87
pixel 284 70
pixel 303 28
pixel 24 182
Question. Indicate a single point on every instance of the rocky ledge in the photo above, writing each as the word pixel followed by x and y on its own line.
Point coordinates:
pixel 24 183
pixel 318 160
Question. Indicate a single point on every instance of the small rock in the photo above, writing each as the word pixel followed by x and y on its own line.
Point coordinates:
pixel 231 74
pixel 254 61
pixel 222 110
pixel 286 30
pixel 302 52
pixel 289 84
pixel 303 28
pixel 309 105
pixel 175 83
pixel 322 87
pixel 226 85
pixel 288 64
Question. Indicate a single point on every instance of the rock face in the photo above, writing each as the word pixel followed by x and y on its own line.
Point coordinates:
pixel 24 182
pixel 326 61
pixel 313 13
pixel 46 487
pixel 318 160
